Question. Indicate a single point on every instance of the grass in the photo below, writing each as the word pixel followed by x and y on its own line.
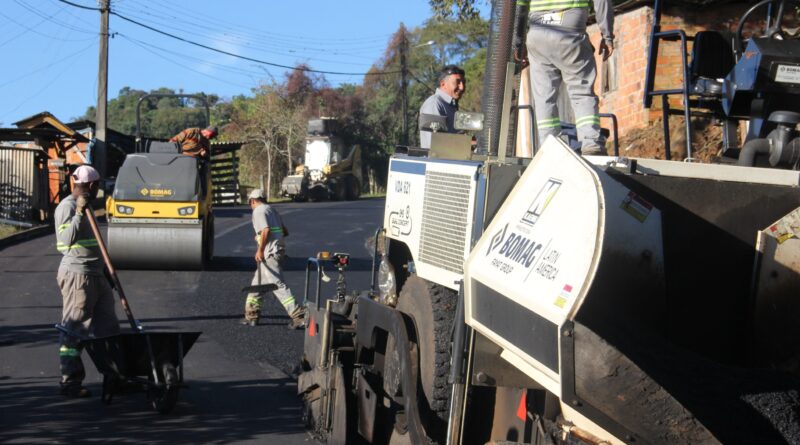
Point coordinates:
pixel 6 230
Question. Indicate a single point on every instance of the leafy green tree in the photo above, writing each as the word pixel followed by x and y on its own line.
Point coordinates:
pixel 160 117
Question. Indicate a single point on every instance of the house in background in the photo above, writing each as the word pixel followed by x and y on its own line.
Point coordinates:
pixel 621 79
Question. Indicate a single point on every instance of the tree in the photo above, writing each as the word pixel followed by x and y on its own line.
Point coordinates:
pixel 160 118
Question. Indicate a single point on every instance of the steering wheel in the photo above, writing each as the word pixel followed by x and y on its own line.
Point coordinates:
pixel 773 31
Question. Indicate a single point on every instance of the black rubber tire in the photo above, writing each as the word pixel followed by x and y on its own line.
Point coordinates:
pixel 353 188
pixel 431 309
pixel 340 190
pixel 165 397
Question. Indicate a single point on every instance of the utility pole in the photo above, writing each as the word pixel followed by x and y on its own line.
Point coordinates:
pixel 101 116
pixel 404 84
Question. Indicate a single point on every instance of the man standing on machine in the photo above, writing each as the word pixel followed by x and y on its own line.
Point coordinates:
pixel 560 53
pixel 88 302
pixel 270 254
pixel 197 143
pixel 444 102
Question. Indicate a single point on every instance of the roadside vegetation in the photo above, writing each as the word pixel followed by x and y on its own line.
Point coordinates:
pixel 6 230
pixel 272 120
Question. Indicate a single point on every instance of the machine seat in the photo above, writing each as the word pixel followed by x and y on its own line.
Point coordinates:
pixel 712 59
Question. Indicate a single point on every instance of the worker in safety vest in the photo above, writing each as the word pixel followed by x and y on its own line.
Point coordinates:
pixel 88 302
pixel 559 51
pixel 270 254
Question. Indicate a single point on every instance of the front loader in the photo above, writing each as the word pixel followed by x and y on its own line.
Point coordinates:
pixel 565 299
pixel 330 169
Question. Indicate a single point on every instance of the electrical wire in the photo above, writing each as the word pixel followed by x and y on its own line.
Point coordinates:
pixel 80 6
pixel 31 29
pixel 43 88
pixel 51 18
pixel 253 41
pixel 151 49
pixel 263 62
pixel 225 39
pixel 49 65
pixel 165 6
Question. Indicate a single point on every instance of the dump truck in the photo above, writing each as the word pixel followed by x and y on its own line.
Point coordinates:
pixel 565 299
pixel 330 169
pixel 160 214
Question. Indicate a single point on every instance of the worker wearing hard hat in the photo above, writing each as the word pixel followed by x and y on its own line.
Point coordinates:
pixel 559 52
pixel 443 102
pixel 88 302
pixel 270 253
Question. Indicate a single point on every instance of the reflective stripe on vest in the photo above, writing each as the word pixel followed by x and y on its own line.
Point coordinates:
pixel 557 5
pixel 85 243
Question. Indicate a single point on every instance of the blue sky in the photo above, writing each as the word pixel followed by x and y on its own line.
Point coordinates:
pixel 51 48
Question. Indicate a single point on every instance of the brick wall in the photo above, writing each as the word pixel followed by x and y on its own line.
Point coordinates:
pixel 632 30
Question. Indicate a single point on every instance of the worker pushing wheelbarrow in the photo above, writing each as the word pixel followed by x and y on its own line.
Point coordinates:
pixel 150 361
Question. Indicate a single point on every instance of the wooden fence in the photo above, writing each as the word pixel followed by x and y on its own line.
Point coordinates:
pixel 24 189
pixel 225 177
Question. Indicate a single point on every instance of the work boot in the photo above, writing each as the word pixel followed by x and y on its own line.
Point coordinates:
pixel 298 316
pixel 75 391
pixel 248 322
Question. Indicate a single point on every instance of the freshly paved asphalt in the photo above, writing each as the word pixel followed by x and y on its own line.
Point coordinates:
pixel 242 388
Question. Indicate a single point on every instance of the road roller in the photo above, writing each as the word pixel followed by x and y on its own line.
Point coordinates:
pixel 160 215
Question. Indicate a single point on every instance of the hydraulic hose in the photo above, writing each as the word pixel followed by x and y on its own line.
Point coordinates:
pixel 755 147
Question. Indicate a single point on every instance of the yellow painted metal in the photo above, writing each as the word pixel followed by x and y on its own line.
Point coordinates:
pixel 153 209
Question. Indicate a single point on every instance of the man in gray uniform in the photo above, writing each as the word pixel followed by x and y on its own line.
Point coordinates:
pixel 444 102
pixel 270 253
pixel 560 52
pixel 88 302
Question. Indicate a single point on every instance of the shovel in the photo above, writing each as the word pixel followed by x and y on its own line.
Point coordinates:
pixel 259 288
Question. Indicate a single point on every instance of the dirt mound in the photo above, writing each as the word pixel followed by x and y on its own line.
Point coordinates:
pixel 648 142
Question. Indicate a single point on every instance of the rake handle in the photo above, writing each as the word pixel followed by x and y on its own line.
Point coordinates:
pixel 111 271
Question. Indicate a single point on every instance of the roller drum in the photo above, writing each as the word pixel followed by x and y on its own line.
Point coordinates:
pixel 156 246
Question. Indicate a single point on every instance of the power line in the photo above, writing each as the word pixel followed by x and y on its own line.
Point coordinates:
pixel 264 62
pixel 243 41
pixel 165 6
pixel 80 6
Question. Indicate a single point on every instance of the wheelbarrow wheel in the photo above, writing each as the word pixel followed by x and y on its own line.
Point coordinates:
pixel 164 398
pixel 109 388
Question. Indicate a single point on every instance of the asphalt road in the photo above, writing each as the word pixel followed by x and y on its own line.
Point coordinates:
pixel 240 378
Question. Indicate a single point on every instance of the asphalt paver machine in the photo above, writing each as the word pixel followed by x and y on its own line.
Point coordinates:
pixel 565 299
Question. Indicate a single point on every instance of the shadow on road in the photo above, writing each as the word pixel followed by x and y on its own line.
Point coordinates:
pixel 239 411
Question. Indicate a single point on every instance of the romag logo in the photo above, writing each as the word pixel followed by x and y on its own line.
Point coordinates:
pixel 541 201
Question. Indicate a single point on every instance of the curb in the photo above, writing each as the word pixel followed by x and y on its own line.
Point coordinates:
pixel 25 235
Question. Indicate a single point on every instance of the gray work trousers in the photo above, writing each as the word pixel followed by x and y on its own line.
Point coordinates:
pixel 88 307
pixel 558 56
pixel 271 273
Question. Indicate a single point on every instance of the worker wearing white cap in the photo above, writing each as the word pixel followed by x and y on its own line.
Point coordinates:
pixel 88 302
pixel 270 254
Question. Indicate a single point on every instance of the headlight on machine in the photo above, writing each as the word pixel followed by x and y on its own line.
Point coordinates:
pixel 124 210
pixel 186 211
pixel 387 287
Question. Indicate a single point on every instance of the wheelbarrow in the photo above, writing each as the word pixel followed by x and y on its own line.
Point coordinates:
pixel 138 360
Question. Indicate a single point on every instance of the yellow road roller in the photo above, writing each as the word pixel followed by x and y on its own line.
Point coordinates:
pixel 159 215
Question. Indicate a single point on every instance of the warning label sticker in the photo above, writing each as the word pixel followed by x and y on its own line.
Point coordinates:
pixel 636 206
